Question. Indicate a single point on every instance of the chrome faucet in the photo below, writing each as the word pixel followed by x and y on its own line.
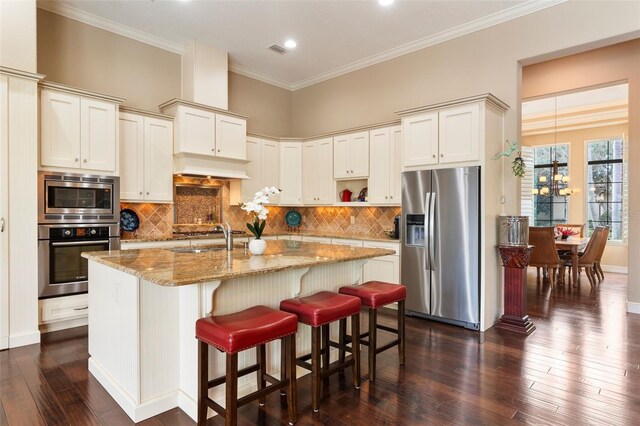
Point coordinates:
pixel 227 232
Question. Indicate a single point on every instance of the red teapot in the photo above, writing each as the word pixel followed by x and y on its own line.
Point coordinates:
pixel 345 195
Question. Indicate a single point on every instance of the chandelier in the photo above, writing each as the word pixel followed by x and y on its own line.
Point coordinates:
pixel 559 185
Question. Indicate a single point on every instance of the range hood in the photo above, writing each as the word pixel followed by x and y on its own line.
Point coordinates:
pixel 200 165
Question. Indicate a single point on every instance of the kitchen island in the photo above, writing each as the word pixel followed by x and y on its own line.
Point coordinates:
pixel 143 305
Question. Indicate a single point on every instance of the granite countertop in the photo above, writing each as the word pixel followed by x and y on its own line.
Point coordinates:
pixel 301 233
pixel 168 268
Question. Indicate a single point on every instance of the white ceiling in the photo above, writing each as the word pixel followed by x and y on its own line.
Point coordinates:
pixel 334 37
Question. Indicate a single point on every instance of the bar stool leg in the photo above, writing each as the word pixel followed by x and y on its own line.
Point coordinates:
pixel 290 343
pixel 315 368
pixel 401 331
pixel 342 340
pixel 325 349
pixel 373 344
pixel 355 348
pixel 203 381
pixel 231 390
pixel 262 369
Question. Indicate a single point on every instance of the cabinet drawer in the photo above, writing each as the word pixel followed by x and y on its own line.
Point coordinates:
pixel 63 308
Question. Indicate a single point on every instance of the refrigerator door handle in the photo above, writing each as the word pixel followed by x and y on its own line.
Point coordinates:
pixel 427 239
pixel 432 219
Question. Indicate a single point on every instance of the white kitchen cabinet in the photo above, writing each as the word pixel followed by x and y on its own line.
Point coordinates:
pixel 420 133
pixel 310 239
pixel 351 156
pixel 384 268
pixel 263 158
pixel 201 130
pixel 77 129
pixel 146 158
pixel 459 133
pixel 231 134
pixel 291 173
pixel 450 133
pixel 317 176
pixel 385 164
pixel 63 308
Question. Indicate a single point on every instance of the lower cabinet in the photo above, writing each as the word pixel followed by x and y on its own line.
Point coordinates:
pixel 385 268
pixel 63 312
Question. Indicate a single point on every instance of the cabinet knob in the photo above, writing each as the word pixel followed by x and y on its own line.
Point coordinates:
pixel 391 197
pixel 351 171
pixel 2 224
pixel 85 160
pixel 385 197
pixel 147 193
pixel 434 156
pixel 140 192
pixel 213 150
pixel 441 155
pixel 76 160
pixel 218 150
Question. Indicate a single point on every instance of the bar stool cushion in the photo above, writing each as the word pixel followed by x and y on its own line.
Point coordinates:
pixel 245 329
pixel 376 293
pixel 322 307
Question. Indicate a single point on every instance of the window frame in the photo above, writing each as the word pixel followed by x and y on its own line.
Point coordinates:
pixel 551 145
pixel 585 183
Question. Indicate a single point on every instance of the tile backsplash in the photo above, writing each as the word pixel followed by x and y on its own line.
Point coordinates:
pixel 157 220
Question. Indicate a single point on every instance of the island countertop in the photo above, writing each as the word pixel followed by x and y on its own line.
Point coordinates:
pixel 171 267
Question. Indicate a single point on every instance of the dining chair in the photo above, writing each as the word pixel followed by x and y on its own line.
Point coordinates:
pixel 603 244
pixel 573 226
pixel 544 254
pixel 587 259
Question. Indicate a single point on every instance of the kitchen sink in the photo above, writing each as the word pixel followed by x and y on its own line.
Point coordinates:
pixel 195 249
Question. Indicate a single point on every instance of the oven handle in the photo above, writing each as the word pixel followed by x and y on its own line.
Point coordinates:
pixel 80 243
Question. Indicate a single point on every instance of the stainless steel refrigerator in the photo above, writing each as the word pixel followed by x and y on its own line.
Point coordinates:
pixel 441 244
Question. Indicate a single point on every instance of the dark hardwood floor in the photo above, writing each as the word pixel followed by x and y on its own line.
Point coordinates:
pixel 580 366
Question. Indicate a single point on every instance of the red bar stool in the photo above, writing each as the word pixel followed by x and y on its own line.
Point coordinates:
pixel 233 333
pixel 318 311
pixel 374 294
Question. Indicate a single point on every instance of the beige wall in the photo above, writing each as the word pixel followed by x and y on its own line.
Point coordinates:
pixel 268 107
pixel 615 254
pixel 18 35
pixel 616 63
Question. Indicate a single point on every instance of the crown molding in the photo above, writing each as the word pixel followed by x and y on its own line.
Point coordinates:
pixel 239 69
pixel 459 31
pixel 108 25
pixel 512 13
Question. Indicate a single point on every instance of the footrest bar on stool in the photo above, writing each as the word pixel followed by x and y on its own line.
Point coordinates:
pixel 347 363
pixel 387 346
pixel 262 392
pixel 216 407
pixel 389 329
pixel 220 380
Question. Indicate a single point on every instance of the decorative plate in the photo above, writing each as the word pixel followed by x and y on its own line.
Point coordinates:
pixel 129 220
pixel 293 218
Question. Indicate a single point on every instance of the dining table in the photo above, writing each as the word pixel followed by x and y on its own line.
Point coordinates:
pixel 574 245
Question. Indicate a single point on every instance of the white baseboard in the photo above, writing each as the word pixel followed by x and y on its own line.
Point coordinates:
pixel 4 342
pixel 633 307
pixel 63 325
pixel 615 269
pixel 137 412
pixel 24 339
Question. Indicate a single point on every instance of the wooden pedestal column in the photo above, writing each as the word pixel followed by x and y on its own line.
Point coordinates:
pixel 515 260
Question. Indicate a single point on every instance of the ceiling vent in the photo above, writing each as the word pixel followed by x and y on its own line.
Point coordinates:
pixel 278 49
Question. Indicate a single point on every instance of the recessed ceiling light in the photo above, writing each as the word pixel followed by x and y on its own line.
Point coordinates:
pixel 385 2
pixel 290 44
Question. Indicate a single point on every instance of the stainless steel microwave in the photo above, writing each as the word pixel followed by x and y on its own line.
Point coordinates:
pixel 77 198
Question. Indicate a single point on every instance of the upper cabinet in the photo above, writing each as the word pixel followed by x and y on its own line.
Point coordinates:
pixel 449 133
pixel 317 176
pixel 78 129
pixel 291 173
pixel 207 131
pixel 385 163
pixel 146 157
pixel 263 158
pixel 351 156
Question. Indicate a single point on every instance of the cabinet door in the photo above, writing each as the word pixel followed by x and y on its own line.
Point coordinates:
pixel 158 159
pixel 59 129
pixel 270 157
pixel 309 173
pixel 420 138
pixel 395 165
pixel 131 127
pixel 341 152
pixel 98 135
pixel 380 166
pixel 231 136
pixel 385 268
pixel 460 134
pixel 195 131
pixel 254 171
pixel 359 155
pixel 4 213
pixel 291 173
pixel 325 185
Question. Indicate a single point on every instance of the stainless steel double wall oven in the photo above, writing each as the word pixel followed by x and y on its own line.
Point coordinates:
pixel 76 213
